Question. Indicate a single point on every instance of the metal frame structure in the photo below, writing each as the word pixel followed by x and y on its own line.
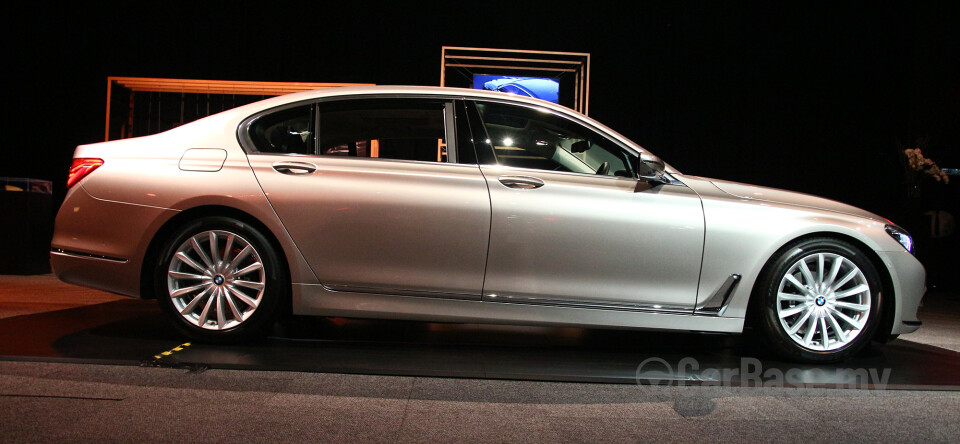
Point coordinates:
pixel 577 63
pixel 215 87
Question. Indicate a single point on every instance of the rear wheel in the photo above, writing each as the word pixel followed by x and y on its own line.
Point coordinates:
pixel 219 280
pixel 819 301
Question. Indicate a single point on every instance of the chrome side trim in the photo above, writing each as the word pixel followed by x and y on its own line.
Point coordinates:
pixel 316 300
pixel 603 305
pixel 77 254
pixel 399 292
pixel 526 300
pixel 717 302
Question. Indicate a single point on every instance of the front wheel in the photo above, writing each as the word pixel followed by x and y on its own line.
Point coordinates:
pixel 819 301
pixel 219 280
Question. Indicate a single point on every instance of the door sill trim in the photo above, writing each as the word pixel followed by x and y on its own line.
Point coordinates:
pixel 601 305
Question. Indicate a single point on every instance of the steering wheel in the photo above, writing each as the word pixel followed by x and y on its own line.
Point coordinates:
pixel 604 168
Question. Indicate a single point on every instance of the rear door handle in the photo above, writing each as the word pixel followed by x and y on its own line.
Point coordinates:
pixel 521 182
pixel 294 168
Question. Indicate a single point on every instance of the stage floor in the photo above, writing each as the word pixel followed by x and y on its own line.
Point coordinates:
pixel 133 332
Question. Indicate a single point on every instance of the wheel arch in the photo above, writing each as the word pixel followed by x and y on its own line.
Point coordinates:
pixel 888 299
pixel 176 222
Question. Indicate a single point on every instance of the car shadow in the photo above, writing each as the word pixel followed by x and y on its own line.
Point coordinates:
pixel 134 332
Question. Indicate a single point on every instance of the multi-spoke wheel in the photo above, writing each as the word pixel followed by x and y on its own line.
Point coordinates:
pixel 819 300
pixel 220 280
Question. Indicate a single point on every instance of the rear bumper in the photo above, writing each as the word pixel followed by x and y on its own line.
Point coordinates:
pixel 101 244
pixel 115 275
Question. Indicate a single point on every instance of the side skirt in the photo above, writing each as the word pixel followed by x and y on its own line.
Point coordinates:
pixel 317 300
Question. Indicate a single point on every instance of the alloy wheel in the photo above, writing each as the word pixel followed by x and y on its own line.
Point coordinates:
pixel 216 280
pixel 823 301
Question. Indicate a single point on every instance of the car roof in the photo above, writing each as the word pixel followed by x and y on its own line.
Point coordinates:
pixel 411 90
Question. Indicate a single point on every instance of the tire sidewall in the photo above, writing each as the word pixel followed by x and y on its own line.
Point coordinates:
pixel 769 287
pixel 274 292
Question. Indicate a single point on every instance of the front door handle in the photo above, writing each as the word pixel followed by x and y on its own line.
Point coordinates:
pixel 521 182
pixel 294 168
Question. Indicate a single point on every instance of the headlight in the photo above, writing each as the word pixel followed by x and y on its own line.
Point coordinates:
pixel 901 236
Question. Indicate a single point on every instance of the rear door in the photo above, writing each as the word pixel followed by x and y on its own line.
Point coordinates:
pixel 373 195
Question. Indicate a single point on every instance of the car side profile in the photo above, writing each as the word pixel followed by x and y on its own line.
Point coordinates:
pixel 456 205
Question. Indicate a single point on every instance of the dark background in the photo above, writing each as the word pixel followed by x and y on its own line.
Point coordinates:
pixel 811 96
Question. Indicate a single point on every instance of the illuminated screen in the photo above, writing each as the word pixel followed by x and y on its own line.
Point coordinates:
pixel 536 87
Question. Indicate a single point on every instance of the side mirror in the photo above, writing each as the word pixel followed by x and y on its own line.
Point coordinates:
pixel 651 168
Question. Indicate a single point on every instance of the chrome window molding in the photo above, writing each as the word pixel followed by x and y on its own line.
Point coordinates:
pixel 243 137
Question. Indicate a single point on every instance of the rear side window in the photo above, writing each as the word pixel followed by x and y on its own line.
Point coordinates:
pixel 388 128
pixel 288 131
pixel 383 128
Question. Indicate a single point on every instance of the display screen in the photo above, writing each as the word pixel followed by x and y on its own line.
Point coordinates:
pixel 537 87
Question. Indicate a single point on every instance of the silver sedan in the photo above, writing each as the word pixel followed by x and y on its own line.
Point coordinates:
pixel 458 205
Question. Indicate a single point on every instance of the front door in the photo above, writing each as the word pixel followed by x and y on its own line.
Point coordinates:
pixel 571 224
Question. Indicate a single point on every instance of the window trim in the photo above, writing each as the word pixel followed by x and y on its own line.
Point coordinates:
pixel 473 120
pixel 450 129
pixel 449 125
pixel 465 143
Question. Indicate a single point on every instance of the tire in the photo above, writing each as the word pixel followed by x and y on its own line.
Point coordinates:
pixel 226 294
pixel 818 301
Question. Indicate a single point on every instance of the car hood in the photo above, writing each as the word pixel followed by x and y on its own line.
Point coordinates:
pixel 754 192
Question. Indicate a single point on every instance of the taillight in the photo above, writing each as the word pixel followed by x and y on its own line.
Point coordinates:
pixel 80 168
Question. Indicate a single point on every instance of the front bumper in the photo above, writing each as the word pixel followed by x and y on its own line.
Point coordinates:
pixel 909 282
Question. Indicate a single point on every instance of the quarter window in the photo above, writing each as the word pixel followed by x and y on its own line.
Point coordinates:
pixel 287 131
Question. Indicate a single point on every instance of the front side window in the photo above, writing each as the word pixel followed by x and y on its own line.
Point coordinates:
pixel 383 128
pixel 530 138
